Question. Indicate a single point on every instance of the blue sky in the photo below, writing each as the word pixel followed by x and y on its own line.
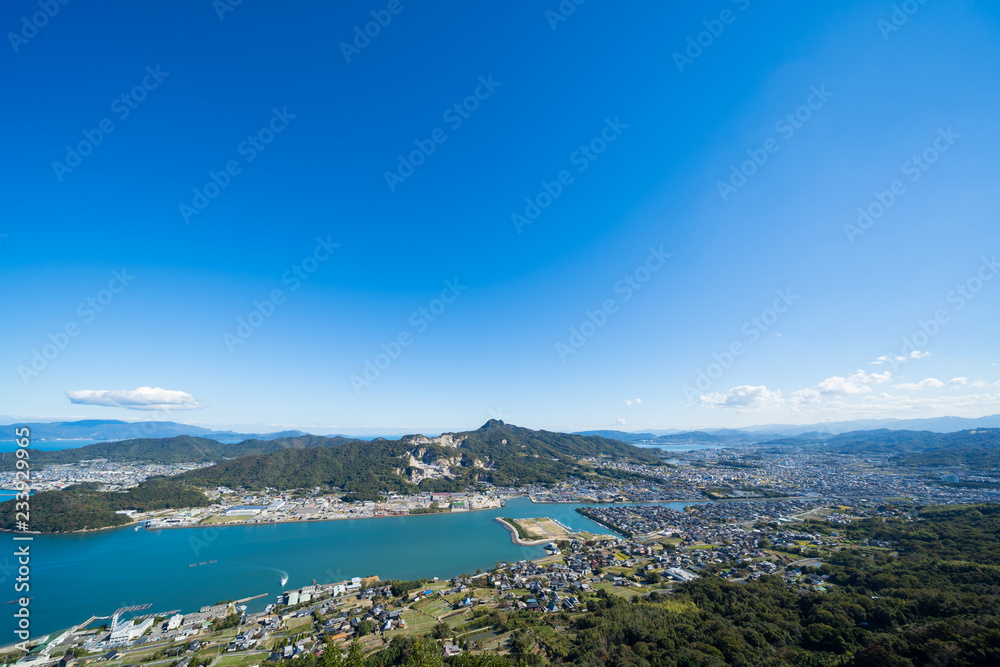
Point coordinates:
pixel 522 177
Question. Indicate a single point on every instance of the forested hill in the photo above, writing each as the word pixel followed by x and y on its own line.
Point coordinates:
pixel 490 438
pixel 83 506
pixel 934 600
pixel 179 449
pixel 498 453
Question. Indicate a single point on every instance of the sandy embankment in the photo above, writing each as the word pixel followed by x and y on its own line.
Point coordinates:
pixel 515 538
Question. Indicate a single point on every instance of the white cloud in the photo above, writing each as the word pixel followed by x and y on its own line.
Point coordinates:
pixel 933 383
pixel 143 398
pixel 619 422
pixel 959 382
pixel 805 397
pixel 916 354
pixel 744 397
pixel 858 382
pixel 633 401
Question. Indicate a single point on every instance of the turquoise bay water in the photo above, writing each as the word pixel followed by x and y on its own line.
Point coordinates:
pixel 79 575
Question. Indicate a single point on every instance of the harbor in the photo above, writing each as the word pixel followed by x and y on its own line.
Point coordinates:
pixel 125 566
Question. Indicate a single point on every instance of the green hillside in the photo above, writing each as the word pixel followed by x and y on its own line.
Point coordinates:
pixel 83 507
pixel 178 449
pixel 497 453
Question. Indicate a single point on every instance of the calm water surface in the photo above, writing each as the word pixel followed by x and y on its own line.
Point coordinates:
pixel 47 445
pixel 79 575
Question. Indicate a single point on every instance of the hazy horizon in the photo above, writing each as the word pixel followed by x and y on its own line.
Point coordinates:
pixel 395 431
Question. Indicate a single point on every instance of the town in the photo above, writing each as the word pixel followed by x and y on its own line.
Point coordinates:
pixel 744 513
pixel 738 541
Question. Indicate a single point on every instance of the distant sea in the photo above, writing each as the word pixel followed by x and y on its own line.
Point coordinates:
pixel 686 447
pixel 47 445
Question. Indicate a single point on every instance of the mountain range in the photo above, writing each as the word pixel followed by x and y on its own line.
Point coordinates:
pixel 116 430
pixel 498 453
pixel 765 432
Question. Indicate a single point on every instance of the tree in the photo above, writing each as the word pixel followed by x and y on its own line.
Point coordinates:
pixel 355 656
pixel 332 657
pixel 440 631
pixel 425 654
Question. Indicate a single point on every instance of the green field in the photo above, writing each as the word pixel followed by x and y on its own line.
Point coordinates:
pixel 434 606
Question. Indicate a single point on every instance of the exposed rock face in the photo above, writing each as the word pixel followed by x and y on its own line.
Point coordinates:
pixel 443 440
pixel 423 463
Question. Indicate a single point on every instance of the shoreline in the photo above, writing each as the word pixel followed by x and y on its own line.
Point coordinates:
pixel 604 523
pixel 9 647
pixel 516 539
pixel 226 524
